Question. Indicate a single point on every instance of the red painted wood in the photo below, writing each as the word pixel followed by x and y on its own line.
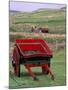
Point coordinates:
pixel 40 45
pixel 31 45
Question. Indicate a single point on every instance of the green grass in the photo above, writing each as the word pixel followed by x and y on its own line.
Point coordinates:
pixel 30 35
pixel 22 22
pixel 55 19
pixel 25 81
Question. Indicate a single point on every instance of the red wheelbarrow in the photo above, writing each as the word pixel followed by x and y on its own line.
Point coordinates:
pixel 32 53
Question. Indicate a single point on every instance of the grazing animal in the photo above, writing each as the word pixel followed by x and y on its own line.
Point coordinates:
pixel 44 30
pixel 40 29
pixel 32 29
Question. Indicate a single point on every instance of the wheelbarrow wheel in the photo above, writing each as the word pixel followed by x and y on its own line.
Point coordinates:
pixel 17 70
pixel 16 63
pixel 44 70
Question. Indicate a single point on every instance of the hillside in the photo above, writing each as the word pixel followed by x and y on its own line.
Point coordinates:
pixel 20 27
pixel 23 21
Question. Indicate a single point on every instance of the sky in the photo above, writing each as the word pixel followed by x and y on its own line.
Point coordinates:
pixel 29 6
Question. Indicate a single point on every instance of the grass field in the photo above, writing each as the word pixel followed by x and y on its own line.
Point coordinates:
pixel 54 19
pixel 25 81
pixel 20 27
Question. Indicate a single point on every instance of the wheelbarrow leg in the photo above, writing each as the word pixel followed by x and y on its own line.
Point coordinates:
pixel 44 70
pixel 50 72
pixel 30 72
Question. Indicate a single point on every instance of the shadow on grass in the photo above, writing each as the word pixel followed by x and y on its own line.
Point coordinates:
pixel 27 74
pixel 11 74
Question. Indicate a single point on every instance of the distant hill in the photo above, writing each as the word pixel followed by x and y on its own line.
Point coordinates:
pixel 53 18
pixel 14 11
pixel 45 9
pixel 63 8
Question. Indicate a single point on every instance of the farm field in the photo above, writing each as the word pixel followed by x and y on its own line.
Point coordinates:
pixel 25 81
pixel 54 40
pixel 20 27
pixel 53 19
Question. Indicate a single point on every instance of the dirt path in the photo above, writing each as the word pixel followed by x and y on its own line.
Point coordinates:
pixel 38 34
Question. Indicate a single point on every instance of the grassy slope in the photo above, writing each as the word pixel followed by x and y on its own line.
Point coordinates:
pixel 55 19
pixel 56 23
pixel 58 67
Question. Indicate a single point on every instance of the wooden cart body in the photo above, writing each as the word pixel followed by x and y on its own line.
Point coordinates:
pixel 32 53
